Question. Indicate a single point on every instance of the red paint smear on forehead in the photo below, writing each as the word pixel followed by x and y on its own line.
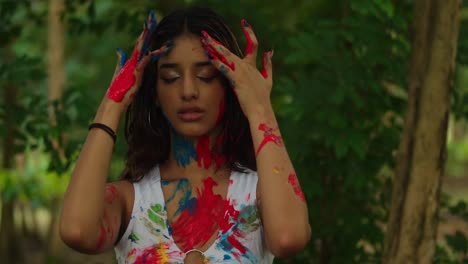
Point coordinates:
pixel 125 79
pixel 292 179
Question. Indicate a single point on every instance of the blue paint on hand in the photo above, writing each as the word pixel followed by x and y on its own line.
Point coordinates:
pixel 123 57
pixel 150 24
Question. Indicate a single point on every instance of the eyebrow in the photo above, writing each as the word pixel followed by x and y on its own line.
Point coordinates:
pixel 175 65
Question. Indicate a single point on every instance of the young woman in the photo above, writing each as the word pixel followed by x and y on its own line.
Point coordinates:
pixel 207 177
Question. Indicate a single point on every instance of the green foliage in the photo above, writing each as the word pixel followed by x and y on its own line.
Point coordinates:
pixel 455 248
pixel 335 64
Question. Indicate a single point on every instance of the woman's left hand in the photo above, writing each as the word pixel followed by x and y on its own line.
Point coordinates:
pixel 252 87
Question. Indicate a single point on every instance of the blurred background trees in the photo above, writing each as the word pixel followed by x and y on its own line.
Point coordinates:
pixel 340 94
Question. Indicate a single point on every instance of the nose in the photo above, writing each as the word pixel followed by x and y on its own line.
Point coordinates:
pixel 189 89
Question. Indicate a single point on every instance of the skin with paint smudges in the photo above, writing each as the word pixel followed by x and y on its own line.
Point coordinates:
pixel 203 99
pixel 268 136
pixel 253 89
pixel 111 193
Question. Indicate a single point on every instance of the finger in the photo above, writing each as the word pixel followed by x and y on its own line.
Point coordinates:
pixel 163 51
pixel 154 55
pixel 122 58
pixel 252 43
pixel 148 27
pixel 216 48
pixel 142 42
pixel 267 67
pixel 223 68
pixel 151 20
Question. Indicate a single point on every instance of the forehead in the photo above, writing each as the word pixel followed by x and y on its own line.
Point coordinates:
pixel 187 50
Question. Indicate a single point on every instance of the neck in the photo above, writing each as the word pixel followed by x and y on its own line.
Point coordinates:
pixel 195 155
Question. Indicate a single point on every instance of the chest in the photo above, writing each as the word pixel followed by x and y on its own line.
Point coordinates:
pixel 218 219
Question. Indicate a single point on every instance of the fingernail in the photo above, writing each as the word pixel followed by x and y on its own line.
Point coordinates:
pixel 152 20
pixel 245 23
pixel 151 15
pixel 272 52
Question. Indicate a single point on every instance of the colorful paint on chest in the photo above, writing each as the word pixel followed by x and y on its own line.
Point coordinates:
pixel 196 225
pixel 159 253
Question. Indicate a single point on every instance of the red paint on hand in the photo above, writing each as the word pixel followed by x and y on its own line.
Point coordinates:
pixel 207 40
pixel 268 136
pixel 250 45
pixel 292 179
pixel 125 79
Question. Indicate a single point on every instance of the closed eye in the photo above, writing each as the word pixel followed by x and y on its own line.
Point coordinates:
pixel 208 79
pixel 169 80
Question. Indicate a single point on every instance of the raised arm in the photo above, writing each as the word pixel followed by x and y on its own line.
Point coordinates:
pixel 283 208
pixel 94 212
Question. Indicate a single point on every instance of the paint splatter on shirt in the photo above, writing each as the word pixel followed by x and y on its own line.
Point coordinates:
pixel 150 238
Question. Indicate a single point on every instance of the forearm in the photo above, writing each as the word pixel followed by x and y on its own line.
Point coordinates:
pixel 83 205
pixel 281 196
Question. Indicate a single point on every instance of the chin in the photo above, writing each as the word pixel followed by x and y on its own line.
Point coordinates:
pixel 192 130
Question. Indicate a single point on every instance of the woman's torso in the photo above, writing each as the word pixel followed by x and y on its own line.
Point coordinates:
pixel 170 217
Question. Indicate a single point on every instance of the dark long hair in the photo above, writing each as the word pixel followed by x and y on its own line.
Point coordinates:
pixel 147 132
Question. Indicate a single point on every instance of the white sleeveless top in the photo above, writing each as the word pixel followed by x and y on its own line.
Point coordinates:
pixel 148 239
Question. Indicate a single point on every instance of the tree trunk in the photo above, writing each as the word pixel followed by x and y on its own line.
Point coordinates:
pixel 412 227
pixel 9 247
pixel 56 78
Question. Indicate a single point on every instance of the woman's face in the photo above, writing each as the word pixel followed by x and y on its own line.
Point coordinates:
pixel 189 88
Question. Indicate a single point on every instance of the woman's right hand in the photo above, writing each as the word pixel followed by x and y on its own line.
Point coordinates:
pixel 128 73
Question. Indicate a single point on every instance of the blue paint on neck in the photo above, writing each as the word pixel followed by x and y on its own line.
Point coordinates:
pixel 183 149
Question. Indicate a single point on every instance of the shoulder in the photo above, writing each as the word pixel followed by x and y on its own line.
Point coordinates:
pixel 129 191
pixel 125 194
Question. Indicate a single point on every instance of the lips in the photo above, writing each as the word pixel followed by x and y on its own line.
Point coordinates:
pixel 190 114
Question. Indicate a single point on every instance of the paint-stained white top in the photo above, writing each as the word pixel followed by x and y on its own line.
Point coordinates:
pixel 147 238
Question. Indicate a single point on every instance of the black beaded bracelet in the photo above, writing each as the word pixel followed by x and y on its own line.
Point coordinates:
pixel 105 128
